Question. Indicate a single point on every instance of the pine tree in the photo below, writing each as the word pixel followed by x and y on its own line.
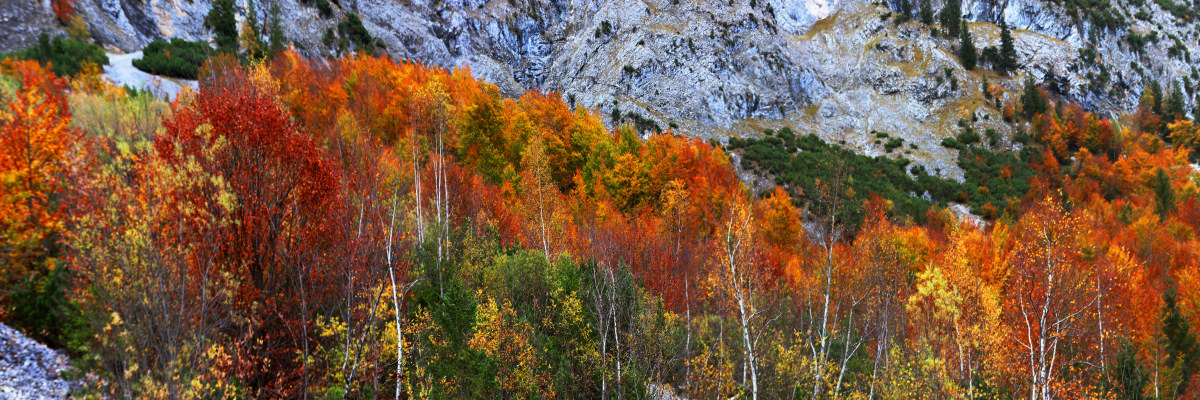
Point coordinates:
pixel 1032 101
pixel 926 12
pixel 966 48
pixel 1127 376
pixel 1008 53
pixel 222 21
pixel 1182 350
pixel 1174 108
pixel 1164 195
pixel 906 9
pixel 950 17
pixel 275 29
pixel 1156 93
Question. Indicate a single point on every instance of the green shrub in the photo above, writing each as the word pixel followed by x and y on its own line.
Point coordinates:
pixel 65 56
pixel 893 144
pixel 968 137
pixel 952 143
pixel 177 59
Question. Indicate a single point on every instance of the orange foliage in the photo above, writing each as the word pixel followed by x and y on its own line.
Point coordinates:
pixel 39 155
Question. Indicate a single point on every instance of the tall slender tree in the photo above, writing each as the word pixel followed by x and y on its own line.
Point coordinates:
pixel 1008 53
pixel 966 48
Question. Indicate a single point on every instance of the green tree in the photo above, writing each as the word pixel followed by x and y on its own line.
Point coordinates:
pixel 926 12
pixel 277 39
pixel 1164 195
pixel 1183 353
pixel 1032 101
pixel 1174 107
pixel 1008 53
pixel 222 21
pixel 1156 94
pixel 1126 376
pixel 966 48
pixel 950 17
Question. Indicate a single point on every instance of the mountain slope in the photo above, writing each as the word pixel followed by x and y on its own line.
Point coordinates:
pixel 838 69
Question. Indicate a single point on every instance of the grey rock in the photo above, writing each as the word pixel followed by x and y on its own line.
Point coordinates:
pixel 29 370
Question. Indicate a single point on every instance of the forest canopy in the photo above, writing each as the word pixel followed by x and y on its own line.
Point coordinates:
pixel 368 228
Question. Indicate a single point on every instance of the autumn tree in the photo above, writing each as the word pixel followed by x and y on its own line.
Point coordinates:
pixel 1049 295
pixel 539 191
pixel 40 157
pixel 287 199
pixel 740 280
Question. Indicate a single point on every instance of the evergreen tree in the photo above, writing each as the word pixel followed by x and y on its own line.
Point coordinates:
pixel 275 29
pixel 950 17
pixel 1008 53
pixel 1156 93
pixel 1126 375
pixel 906 9
pixel 1032 101
pixel 1174 108
pixel 1164 195
pixel 1183 353
pixel 222 21
pixel 966 48
pixel 926 12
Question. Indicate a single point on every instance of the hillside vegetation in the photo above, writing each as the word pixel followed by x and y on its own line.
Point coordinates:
pixel 367 228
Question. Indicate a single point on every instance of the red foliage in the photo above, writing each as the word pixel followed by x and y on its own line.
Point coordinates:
pixel 286 198
pixel 63 9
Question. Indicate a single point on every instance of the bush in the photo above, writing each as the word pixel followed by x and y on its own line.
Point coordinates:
pixel 968 137
pixel 177 59
pixel 65 56
pixel 893 144
pixel 952 143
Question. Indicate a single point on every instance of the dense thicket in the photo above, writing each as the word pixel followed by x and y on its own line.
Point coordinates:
pixel 177 58
pixel 65 56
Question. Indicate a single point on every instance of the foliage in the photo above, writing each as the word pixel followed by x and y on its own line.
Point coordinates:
pixel 66 57
pixel 222 20
pixel 177 59
pixel 362 227
pixel 1008 53
pixel 966 48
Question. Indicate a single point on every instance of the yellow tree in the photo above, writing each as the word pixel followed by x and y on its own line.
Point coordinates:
pixel 504 338
pixel 740 279
pixel 539 190
pixel 952 310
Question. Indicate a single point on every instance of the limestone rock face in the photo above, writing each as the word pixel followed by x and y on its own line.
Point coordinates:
pixel 837 68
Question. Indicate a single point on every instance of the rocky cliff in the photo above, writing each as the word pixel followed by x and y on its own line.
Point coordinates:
pixel 840 69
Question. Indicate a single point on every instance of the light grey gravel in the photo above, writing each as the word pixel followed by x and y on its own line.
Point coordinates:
pixel 29 370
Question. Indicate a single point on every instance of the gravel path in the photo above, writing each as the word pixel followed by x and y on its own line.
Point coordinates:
pixel 29 370
pixel 120 71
